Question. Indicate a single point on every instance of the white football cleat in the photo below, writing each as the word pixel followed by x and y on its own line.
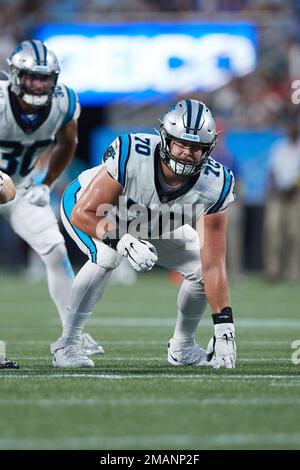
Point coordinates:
pixel 71 356
pixel 182 355
pixel 90 346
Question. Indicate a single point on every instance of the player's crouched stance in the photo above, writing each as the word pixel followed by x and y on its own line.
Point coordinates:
pixel 143 172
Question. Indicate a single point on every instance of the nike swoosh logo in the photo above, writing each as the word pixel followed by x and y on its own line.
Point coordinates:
pixel 174 358
pixel 209 356
pixel 132 247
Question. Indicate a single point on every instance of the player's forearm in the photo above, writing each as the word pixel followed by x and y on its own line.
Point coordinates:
pixel 61 156
pixel 90 223
pixel 8 190
pixel 85 220
pixel 216 287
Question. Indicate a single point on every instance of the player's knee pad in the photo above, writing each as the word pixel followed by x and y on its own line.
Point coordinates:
pixel 106 257
pixel 48 240
pixel 36 225
pixel 195 277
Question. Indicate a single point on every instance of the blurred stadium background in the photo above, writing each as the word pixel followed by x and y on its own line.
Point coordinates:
pixel 128 60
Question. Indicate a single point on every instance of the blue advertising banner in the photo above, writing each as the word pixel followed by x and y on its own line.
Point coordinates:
pixel 142 61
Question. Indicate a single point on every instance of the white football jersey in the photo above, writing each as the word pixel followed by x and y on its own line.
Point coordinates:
pixel 22 142
pixel 134 161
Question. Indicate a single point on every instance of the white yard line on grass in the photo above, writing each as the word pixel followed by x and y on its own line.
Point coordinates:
pixel 246 401
pixel 170 441
pixel 262 343
pixel 286 324
pixel 284 384
pixel 215 375
pixel 286 360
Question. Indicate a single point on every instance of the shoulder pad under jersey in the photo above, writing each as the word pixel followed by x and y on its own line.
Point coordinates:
pixel 68 102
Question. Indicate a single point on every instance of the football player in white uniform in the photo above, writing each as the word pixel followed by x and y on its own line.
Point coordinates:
pixel 140 174
pixel 38 114
pixel 7 193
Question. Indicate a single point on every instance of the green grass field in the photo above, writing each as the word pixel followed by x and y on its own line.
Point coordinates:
pixel 132 399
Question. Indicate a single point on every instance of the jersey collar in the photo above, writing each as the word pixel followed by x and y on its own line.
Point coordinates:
pixel 27 127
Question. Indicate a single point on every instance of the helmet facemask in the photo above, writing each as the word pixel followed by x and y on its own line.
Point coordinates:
pixel 174 164
pixel 32 96
pixel 190 123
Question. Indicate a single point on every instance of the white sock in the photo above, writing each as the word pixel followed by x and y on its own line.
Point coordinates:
pixel 191 303
pixel 60 278
pixel 87 290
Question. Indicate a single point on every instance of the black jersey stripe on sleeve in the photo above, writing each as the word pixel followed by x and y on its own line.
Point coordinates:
pixel 125 148
pixel 224 193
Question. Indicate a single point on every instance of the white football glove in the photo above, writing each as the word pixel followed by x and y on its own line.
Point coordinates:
pixel 140 253
pixel 39 195
pixel 221 348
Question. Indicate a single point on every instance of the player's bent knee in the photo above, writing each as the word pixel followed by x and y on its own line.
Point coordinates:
pixel 57 251
pixel 45 242
pixel 195 277
pixel 51 239
pixel 106 257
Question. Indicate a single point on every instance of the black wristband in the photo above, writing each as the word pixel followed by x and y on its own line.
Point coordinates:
pixel 225 316
pixel 110 239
